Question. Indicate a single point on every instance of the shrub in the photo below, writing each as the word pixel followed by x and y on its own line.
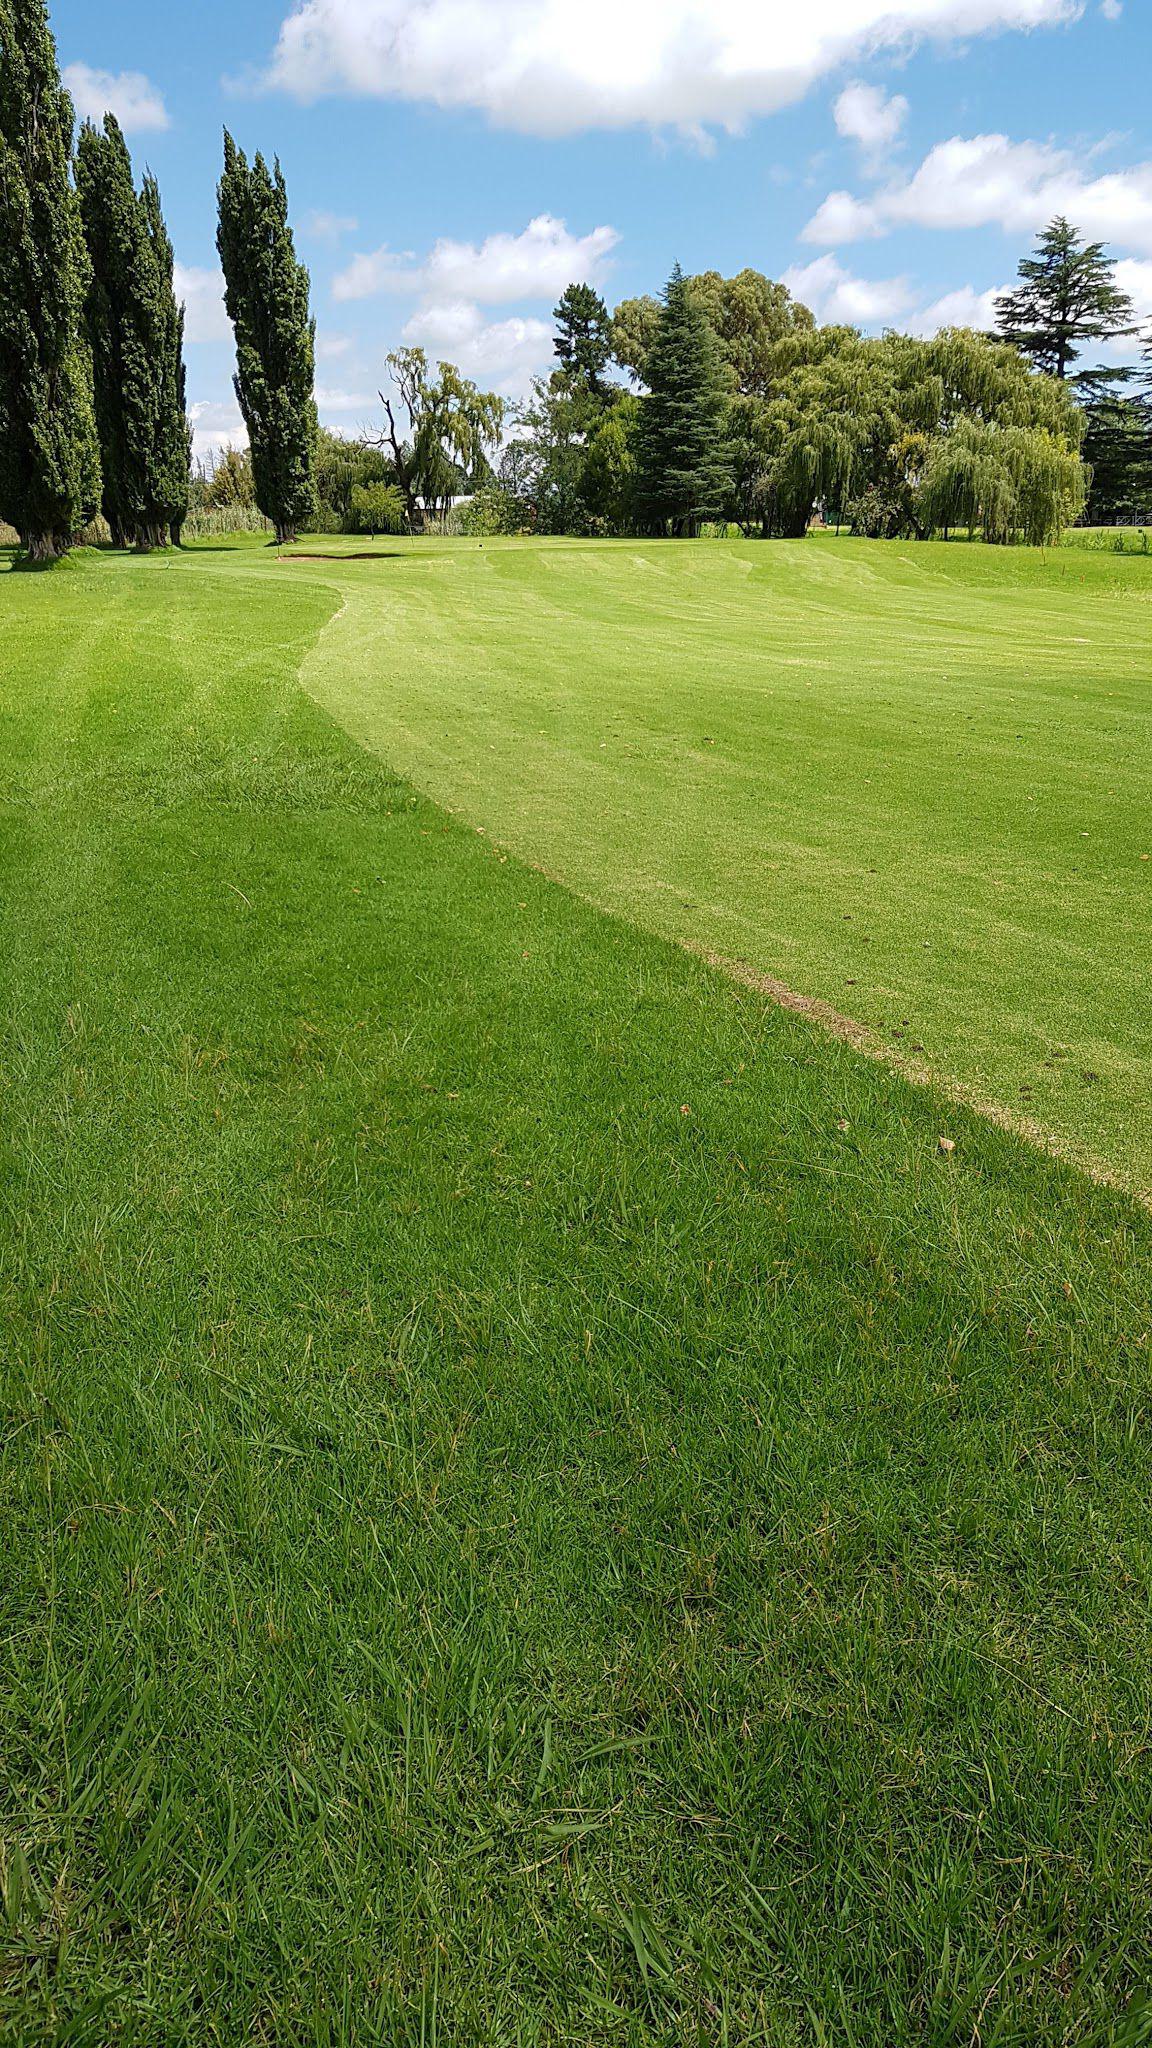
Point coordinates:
pixel 491 512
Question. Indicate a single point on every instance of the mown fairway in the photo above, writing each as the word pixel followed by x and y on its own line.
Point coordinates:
pixel 540 1508
pixel 914 781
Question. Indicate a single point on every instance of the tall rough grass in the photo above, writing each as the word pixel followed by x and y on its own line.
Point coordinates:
pixel 209 525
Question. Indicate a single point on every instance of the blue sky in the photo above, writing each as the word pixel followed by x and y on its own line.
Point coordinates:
pixel 452 163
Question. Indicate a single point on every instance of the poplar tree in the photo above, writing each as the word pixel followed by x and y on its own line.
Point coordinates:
pixel 49 459
pixel 173 463
pixel 135 330
pixel 266 293
pixel 685 468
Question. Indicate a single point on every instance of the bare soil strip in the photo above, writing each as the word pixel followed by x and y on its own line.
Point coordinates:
pixel 863 1039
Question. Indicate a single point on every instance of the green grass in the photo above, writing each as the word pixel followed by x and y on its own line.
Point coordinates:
pixel 913 781
pixel 1117 540
pixel 540 1507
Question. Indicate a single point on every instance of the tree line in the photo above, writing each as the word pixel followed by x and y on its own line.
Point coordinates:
pixel 93 411
pixel 739 408
pixel 723 402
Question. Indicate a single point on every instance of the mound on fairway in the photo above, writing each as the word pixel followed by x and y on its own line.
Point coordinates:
pixel 540 1505
pixel 914 782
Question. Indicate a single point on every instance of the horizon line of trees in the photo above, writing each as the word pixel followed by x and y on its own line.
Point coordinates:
pixel 723 402
pixel 742 410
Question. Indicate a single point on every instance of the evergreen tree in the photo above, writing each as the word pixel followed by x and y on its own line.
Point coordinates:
pixel 1118 451
pixel 135 330
pixel 267 299
pixel 1067 295
pixel 49 459
pixel 684 462
pixel 584 343
pixel 172 468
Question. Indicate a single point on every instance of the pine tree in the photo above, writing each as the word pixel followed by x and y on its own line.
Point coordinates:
pixel 49 458
pixel 1067 295
pixel 584 344
pixel 267 299
pixel 172 469
pixel 684 460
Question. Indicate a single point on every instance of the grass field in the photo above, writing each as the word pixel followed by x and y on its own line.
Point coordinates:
pixel 915 782
pixel 541 1507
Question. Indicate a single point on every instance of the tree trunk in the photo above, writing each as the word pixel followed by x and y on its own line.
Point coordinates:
pixel 44 547
pixel 285 535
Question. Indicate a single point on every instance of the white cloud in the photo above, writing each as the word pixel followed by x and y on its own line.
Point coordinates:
pixel 214 424
pixel 987 180
pixel 534 265
pixel 202 294
pixel 1111 9
pixel 330 227
pixel 834 295
pixel 329 347
pixel 842 218
pixel 547 67
pixel 135 101
pixel 964 307
pixel 380 270
pixel 866 115
pixel 343 401
pixel 504 355
pixel 1135 278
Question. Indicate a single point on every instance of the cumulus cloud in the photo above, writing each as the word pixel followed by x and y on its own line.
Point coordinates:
pixel 534 265
pixel 216 424
pixel 202 294
pixel 987 180
pixel 548 67
pixel 504 355
pixel 333 403
pixel 1135 278
pixel 866 115
pixel 964 307
pixel 835 295
pixel 135 101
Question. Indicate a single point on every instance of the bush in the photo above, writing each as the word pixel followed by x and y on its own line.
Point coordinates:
pixel 325 519
pixel 491 512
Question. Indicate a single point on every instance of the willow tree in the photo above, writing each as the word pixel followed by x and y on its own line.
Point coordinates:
pixel 1005 483
pixel 443 441
pixel 267 296
pixel 820 438
pixel 49 458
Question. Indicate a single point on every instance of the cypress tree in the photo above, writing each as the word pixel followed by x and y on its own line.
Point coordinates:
pixel 49 458
pixel 266 293
pixel 685 470
pixel 135 331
